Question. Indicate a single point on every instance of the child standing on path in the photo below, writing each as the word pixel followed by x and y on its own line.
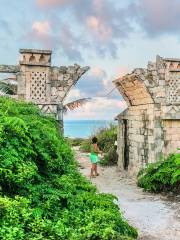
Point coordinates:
pixel 94 157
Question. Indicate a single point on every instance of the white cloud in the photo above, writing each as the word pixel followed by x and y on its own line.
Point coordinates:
pixel 99 28
pixel 42 28
pixel 41 32
pixel 121 71
pixel 73 95
pixel 98 108
pixel 98 72
pixel 51 3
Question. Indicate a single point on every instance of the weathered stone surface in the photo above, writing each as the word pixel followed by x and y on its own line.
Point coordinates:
pixel 9 69
pixel 36 51
pixel 41 83
pixel 150 126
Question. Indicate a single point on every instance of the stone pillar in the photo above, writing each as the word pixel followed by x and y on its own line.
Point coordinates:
pixel 59 117
pixel 21 80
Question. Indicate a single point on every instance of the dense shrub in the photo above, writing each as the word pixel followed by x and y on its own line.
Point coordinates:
pixel 161 176
pixel 75 141
pixel 86 145
pixel 106 139
pixel 110 158
pixel 42 194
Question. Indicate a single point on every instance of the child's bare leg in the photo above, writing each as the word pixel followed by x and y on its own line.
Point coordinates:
pixel 96 173
pixel 92 170
pixel 95 169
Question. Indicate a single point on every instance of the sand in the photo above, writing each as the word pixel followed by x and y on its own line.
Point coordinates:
pixel 155 216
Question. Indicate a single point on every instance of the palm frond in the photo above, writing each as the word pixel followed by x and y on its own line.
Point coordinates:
pixel 8 86
pixel 4 89
pixel 75 104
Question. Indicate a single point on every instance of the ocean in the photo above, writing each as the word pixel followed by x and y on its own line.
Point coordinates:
pixel 83 128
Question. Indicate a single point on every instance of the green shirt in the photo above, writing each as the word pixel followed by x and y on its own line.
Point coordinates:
pixel 92 150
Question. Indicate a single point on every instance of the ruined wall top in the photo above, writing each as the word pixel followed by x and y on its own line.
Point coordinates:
pixel 35 57
pixel 38 81
pixel 159 83
pixel 28 50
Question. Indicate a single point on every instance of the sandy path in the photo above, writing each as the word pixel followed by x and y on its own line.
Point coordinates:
pixel 155 217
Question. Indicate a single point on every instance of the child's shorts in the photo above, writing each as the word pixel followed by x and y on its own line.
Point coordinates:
pixel 94 158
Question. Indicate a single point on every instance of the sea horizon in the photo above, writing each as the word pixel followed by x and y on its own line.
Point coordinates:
pixel 84 128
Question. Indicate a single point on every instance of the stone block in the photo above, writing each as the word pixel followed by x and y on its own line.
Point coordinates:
pixel 63 69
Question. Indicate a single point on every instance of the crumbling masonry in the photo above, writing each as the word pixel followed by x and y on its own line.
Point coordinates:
pixel 150 126
pixel 41 83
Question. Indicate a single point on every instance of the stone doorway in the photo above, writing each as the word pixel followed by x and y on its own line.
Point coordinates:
pixel 126 145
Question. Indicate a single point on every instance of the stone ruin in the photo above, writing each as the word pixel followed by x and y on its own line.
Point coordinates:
pixel 41 83
pixel 150 127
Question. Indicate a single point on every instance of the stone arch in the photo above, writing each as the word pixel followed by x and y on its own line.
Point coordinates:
pixel 133 90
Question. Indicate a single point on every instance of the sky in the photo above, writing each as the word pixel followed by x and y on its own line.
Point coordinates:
pixel 111 36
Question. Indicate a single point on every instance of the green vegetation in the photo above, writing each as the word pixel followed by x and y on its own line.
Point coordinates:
pixel 161 176
pixel 42 194
pixel 75 141
pixel 106 139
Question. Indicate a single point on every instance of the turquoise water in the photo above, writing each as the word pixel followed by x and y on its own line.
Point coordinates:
pixel 83 128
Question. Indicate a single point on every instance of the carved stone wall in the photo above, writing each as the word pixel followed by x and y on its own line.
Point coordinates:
pixel 147 128
pixel 38 86
pixel 41 83
pixel 173 89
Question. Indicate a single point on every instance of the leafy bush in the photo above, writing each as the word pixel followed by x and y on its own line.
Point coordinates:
pixel 86 145
pixel 162 175
pixel 110 158
pixel 42 194
pixel 75 141
pixel 106 139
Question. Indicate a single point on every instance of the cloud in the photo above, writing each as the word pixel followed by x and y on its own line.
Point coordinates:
pixel 41 28
pixel 41 32
pixel 69 43
pixel 102 24
pixel 51 3
pixel 100 27
pixel 121 71
pixel 157 17
pixel 98 72
pixel 95 84
pixel 102 31
pixel 64 39
pixel 103 106
pixel 73 95
pixel 92 84
pixel 4 25
pixel 97 108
